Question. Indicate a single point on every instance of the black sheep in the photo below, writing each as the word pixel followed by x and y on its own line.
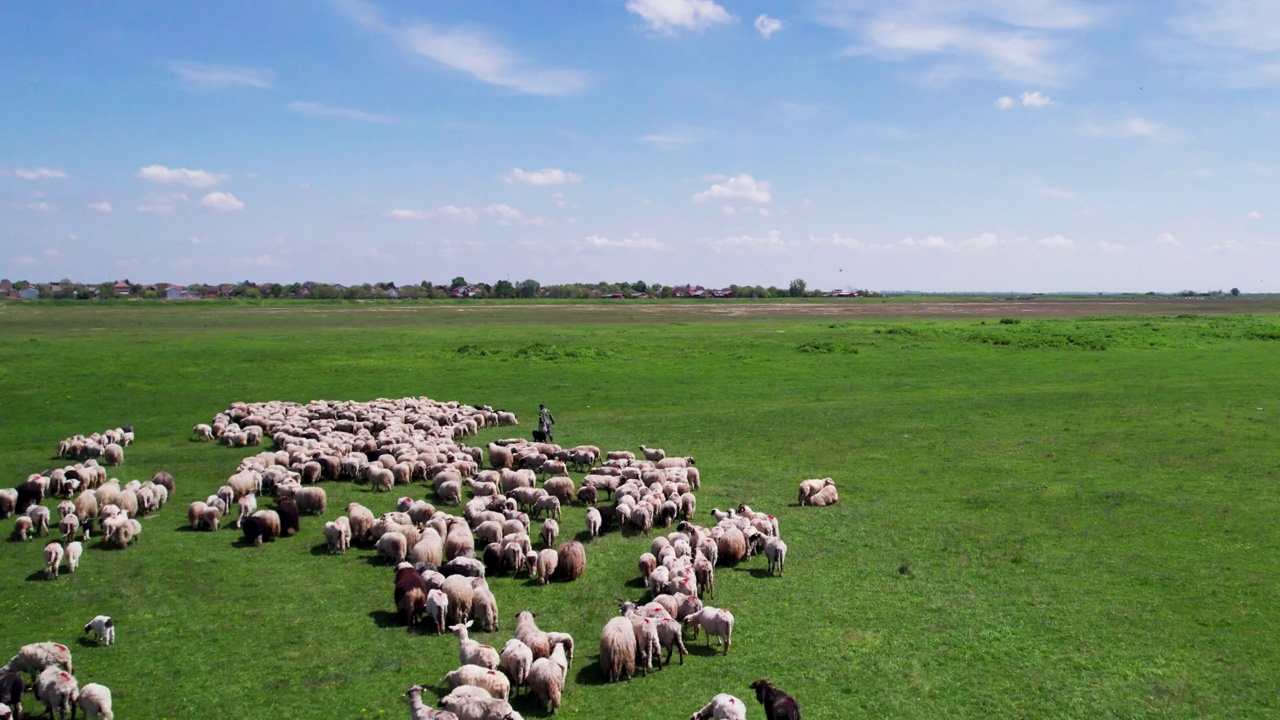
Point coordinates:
pixel 410 583
pixel 288 511
pixel 492 559
pixel 29 493
pixel 777 704
pixel 11 687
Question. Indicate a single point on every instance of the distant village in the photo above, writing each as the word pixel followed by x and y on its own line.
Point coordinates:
pixel 459 288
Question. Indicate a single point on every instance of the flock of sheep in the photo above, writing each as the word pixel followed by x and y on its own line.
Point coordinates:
pixel 442 559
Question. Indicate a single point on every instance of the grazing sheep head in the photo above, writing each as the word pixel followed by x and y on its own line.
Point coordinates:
pixel 763 688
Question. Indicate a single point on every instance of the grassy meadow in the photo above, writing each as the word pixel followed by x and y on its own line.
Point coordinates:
pixel 1039 518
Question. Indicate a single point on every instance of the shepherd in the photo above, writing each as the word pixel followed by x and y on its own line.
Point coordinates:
pixel 545 421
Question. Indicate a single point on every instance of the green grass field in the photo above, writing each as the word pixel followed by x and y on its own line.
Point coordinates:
pixel 1066 518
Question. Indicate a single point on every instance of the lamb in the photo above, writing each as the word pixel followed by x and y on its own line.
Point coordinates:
pixel 394 546
pixel 722 707
pixel 546 677
pixel 248 505
pixel 471 652
pixel 671 638
pixel 809 488
pixel 36 657
pixel 826 496
pixel 617 650
pixel 262 525
pixel 437 608
pixel 95 701
pixel 469 707
pixel 647 645
pixel 212 518
pixel 22 527
pixel 8 502
pixel 53 553
pixel 776 552
pixel 572 561
pixel 716 622
pixel 550 531
pixel 777 704
pixel 491 681
pixel 103 629
pixel 419 711
pixel 593 522
pixel 335 536
pixel 39 515
pixel 58 690
pixel 545 566
pixel 484 608
pixel 74 551
pixel 203 431
pixel 516 658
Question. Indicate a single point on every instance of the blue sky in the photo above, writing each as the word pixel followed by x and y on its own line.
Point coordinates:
pixel 1029 145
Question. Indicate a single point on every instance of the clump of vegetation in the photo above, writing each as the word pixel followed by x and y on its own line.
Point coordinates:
pixel 551 352
pixel 1010 321
pixel 473 350
pixel 826 347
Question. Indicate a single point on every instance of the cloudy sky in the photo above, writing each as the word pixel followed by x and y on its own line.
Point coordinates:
pixel 1031 145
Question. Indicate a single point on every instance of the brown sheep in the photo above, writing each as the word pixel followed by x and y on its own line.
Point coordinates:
pixel 573 561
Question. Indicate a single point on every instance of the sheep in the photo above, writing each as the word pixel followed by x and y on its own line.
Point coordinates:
pixel 561 488
pixel 704 572
pixel 95 701
pixel 674 462
pixel 262 525
pixel 361 519
pixel 484 609
pixel 437 608
pixel 471 652
pixel 777 704
pixel 461 593
pixel 419 711
pixel 53 553
pixel 544 567
pixel 8 502
pixel 722 707
pixel 39 515
pixel 528 633
pixel 11 688
pixel 776 551
pixel 212 518
pixel 572 561
pixel 546 677
pixel 617 650
pixel 459 542
pixel 469 707
pixel 311 500
pixel 731 547
pixel 74 551
pixel 29 493
pixel 647 646
pixel 248 505
pixel 808 488
pixel 287 509
pixel 716 622
pixel 491 681
pixel 21 527
pixel 380 479
pixel 549 504
pixel 36 657
pixel 112 454
pixel 654 454
pixel 826 496
pixel 203 432
pixel 550 531
pixel 103 629
pixel 58 690
pixel 393 546
pixel 335 537
pixel 195 513
pixel 671 638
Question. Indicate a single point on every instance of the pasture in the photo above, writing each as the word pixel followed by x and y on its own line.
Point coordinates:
pixel 1046 517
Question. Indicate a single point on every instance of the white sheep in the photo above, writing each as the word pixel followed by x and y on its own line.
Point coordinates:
pixel 484 608
pixel 471 652
pixel 776 552
pixel 547 503
pixel 394 546
pixel 58 690
pixel 550 532
pixel 491 681
pixel 418 710
pixel 203 431
pixel 547 675
pixel 722 707
pixel 594 521
pixel 516 659
pixel 248 506
pixel 95 701
pixel 103 629
pixel 74 551
pixel 39 515
pixel 335 537
pixel 716 622
pixel 53 553
pixel 469 707
pixel 437 608
pixel 36 657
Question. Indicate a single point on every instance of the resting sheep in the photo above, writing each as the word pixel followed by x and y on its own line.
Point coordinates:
pixel 722 707
pixel 419 711
pixel 467 706
pixel 491 681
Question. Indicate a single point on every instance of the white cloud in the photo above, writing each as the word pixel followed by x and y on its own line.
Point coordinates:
pixel 1058 242
pixel 1248 25
pixel 1036 99
pixel 40 173
pixel 979 242
pixel 201 77
pixel 1167 239
pixel 162 175
pixel 767 26
pixel 49 255
pixel 1131 128
pixel 543 177
pixel 1108 248
pixel 40 207
pixel 670 17
pixel 468 51
pixel 502 212
pixel 1024 41
pixel 405 214
pixel 596 242
pixel 156 209
pixel 259 261
pixel 837 240
pixel 321 110
pixel 102 207
pixel 769 242
pixel 221 202
pixel 741 187
pixel 678 137
pixel 930 243
pixel 1253 215
pixel 1040 188
pixel 458 214
pixel 1005 103
pixel 1223 247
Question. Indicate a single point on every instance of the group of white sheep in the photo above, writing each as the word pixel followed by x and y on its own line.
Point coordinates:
pixel 108 445
pixel 48 664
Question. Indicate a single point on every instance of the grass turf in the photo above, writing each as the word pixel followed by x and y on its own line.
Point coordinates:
pixel 1041 518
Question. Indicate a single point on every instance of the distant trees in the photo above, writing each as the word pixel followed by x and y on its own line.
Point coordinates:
pixel 797 288
pixel 1235 292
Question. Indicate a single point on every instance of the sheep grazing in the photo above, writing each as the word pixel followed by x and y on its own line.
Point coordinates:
pixel 547 675
pixel 112 454
pixel 647 646
pixel 461 593
pixel 248 505
pixel 777 704
pixel 419 710
pixel 58 690
pixel 776 552
pixel 437 608
pixel 22 527
pixel 361 520
pixel 466 706
pixel 95 701
pixel 716 622
pixel 471 652
pixel 544 567
pixel 394 546
pixel 39 515
pixel 311 500
pixel 722 707
pixel 74 551
pixel 195 514
pixel 617 650
pixel 288 511
pixel 550 531
pixel 8 502
pixel 528 633
pixel 410 594
pixel 53 553
pixel 336 536
pixel 212 519
pixel 731 547
pixel 671 638
pixel 572 561
pixel 484 609
pixel 203 432
pixel 11 689
pixel 260 526
pixel 593 523
pixel 103 629
pixel 516 659
pixel 491 681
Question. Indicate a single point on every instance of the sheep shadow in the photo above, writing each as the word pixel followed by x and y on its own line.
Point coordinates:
pixel 38 576
pixel 590 674
pixel 755 572
pixel 583 536
pixel 320 549
pixel 701 648
pixel 637 583
pixel 385 619
pixel 88 641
